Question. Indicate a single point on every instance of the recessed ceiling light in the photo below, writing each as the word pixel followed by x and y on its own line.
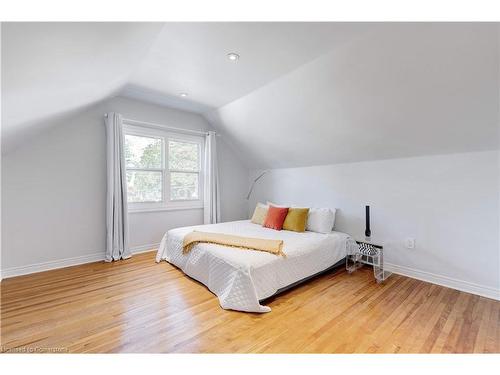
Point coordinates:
pixel 233 56
pixel 183 94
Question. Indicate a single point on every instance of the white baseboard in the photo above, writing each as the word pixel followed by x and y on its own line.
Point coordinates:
pixel 51 265
pixel 144 248
pixel 464 286
pixel 62 263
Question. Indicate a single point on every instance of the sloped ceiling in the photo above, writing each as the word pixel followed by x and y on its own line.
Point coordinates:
pixel 52 68
pixel 301 93
pixel 409 90
pixel 192 57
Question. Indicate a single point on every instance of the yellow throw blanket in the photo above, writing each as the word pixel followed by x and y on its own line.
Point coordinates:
pixel 246 243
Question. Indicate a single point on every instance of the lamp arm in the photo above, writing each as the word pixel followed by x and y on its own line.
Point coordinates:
pixel 254 182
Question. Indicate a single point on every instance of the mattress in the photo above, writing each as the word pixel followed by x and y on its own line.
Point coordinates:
pixel 241 278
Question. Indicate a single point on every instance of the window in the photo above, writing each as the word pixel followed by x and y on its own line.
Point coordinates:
pixel 184 169
pixel 163 169
pixel 144 163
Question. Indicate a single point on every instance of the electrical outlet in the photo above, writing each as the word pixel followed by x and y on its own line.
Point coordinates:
pixel 410 243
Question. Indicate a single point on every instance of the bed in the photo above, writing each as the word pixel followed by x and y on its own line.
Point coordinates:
pixel 241 279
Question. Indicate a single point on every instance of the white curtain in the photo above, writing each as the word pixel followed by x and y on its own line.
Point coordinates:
pixel 211 183
pixel 117 246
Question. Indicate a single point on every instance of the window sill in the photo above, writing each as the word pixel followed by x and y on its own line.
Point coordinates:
pixel 159 209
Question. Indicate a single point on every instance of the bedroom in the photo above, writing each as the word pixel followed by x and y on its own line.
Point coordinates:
pixel 209 187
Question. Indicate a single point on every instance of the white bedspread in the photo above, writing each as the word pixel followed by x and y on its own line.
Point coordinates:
pixel 240 278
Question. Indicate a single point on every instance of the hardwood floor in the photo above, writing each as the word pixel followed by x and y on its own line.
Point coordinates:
pixel 140 306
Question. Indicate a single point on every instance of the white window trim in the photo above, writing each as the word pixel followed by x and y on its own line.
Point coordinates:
pixel 167 204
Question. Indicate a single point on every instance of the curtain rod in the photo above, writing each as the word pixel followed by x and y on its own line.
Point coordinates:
pixel 164 127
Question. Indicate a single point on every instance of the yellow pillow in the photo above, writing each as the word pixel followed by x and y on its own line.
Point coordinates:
pixel 260 213
pixel 296 220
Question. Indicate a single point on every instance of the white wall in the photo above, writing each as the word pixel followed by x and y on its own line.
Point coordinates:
pixel 53 188
pixel 449 203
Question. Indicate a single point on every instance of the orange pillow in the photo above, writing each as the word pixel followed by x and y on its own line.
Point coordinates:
pixel 275 217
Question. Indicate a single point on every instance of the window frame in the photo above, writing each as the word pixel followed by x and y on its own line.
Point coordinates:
pixel 166 135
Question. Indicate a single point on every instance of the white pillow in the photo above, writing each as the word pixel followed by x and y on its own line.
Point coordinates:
pixel 276 205
pixel 320 220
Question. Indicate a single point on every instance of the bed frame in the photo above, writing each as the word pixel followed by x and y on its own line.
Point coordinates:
pixel 340 263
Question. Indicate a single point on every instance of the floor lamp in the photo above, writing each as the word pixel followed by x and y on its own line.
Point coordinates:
pixel 254 182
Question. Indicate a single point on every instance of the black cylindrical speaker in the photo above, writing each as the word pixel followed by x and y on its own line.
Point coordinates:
pixel 368 232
